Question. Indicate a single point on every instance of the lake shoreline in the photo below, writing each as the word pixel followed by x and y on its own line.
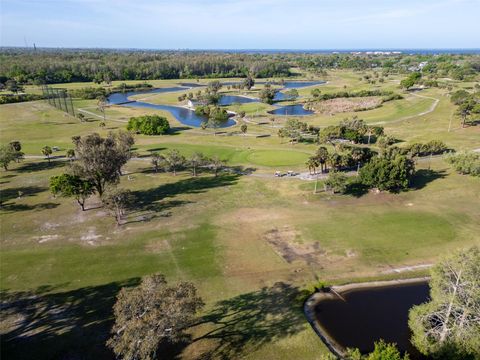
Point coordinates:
pixel 336 292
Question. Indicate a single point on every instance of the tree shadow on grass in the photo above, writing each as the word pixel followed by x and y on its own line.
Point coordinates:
pixel 424 176
pixel 192 185
pixel 66 325
pixel 7 197
pixel 246 322
pixel 154 200
pixel 176 130
pixel 356 189
pixel 40 166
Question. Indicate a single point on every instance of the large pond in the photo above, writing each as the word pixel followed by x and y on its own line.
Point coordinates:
pixel 188 117
pixel 182 114
pixel 366 315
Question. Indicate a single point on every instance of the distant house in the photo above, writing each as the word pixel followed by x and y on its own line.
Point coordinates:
pixel 418 67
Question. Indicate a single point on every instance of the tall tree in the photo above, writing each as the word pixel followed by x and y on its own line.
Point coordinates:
pixel 100 160
pixel 47 151
pixel 248 82
pixel 448 327
pixel 174 160
pixel 102 104
pixel 244 129
pixel 388 173
pixel 67 185
pixel 157 160
pixel 216 164
pixel 312 164
pixel 7 155
pixel 196 160
pixel 322 157
pixel 152 313
pixel 267 94
pixel 117 202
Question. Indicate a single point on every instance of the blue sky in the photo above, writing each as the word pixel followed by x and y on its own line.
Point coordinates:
pixel 241 24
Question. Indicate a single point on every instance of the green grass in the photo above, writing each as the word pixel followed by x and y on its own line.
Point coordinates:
pixel 389 236
pixel 215 231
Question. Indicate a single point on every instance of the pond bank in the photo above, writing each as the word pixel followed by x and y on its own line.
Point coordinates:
pixel 341 297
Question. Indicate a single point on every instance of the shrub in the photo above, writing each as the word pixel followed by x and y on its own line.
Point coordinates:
pixel 467 163
pixel 149 125
pixel 431 148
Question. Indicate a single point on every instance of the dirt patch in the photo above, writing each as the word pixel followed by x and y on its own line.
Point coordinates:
pixel 49 226
pixel 341 105
pixel 44 238
pixel 91 237
pixel 284 244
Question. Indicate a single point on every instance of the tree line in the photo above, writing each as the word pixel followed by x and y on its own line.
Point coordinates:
pixel 55 66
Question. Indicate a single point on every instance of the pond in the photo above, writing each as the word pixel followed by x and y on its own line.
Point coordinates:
pixel 235 99
pixel 291 110
pixel 184 115
pixel 188 117
pixel 366 315
pixel 301 84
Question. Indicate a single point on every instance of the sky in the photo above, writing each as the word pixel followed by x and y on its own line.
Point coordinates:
pixel 242 24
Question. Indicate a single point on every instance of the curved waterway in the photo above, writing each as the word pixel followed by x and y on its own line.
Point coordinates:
pixel 182 114
pixel 188 117
pixel 358 317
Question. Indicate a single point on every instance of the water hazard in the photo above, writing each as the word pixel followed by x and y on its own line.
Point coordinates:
pixel 367 315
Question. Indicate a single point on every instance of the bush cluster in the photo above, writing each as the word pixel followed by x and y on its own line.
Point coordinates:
pixel 149 125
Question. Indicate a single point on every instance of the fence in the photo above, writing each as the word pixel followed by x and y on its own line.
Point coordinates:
pixel 59 98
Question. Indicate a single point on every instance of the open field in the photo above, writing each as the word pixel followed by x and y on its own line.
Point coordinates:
pixel 250 242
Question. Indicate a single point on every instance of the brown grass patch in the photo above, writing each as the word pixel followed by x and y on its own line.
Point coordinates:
pixel 284 242
pixel 341 105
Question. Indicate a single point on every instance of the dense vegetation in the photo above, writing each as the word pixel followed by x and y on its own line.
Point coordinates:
pixel 52 66
pixel 149 125
pixel 60 66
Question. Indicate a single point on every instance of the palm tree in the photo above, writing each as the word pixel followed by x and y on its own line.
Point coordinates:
pixel 322 157
pixel 357 156
pixel 334 160
pixel 312 163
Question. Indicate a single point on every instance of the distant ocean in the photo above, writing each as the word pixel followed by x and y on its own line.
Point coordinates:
pixel 266 51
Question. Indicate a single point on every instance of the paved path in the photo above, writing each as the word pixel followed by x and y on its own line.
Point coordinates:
pixel 99 116
pixel 432 108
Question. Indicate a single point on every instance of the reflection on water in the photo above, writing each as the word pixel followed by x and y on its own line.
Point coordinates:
pixel 183 115
pixel 292 110
pixel 188 116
